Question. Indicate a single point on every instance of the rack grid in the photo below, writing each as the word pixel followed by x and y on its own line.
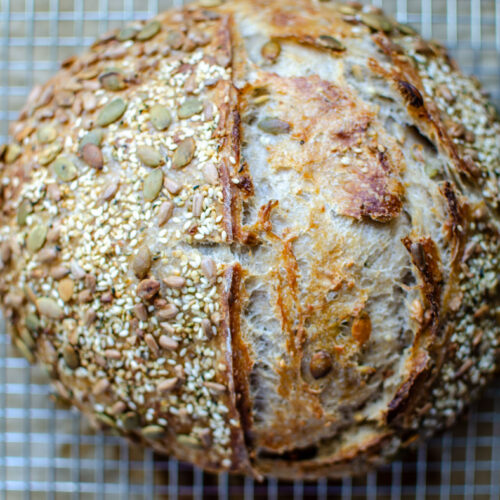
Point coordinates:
pixel 49 451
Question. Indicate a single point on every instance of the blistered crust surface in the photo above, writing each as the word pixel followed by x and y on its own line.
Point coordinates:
pixel 261 236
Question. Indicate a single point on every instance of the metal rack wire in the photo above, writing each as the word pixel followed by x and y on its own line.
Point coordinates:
pixel 48 451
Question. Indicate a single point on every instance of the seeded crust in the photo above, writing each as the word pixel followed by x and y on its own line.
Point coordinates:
pixel 261 236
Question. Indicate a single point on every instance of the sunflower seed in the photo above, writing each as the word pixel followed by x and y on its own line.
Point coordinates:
pixel 59 272
pixel 64 169
pixel 25 208
pixel 209 268
pixel 47 255
pixel 330 42
pixel 148 31
pixel 148 288
pixel 198 200
pixel 130 421
pixel 210 173
pixel 46 134
pixel 160 117
pixel 153 184
pixel 93 137
pixel 141 312
pixel 110 190
pixel 48 307
pixel 168 312
pixel 142 262
pixel 127 33
pixel 190 107
pixel 168 343
pixel 101 387
pixel 32 322
pixel 377 22
pixel 65 289
pixel 275 126
pixel 184 153
pixel 165 212
pixel 49 154
pixel 214 386
pixel 112 80
pixel 92 156
pixel 111 112
pixel 271 50
pixel 118 408
pixel 65 98
pixel 174 281
pixel 207 328
pixel 149 156
pixel 172 186
pixel 175 39
pixel 151 343
pixel 112 354
pixel 153 432
pixel 167 384
pixel 36 238
pixel 13 153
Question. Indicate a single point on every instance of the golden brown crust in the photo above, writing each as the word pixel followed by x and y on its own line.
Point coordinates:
pixel 257 236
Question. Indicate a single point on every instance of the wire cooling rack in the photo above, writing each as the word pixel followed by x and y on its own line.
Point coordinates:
pixel 48 451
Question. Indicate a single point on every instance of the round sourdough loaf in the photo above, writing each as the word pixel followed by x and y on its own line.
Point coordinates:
pixel 260 235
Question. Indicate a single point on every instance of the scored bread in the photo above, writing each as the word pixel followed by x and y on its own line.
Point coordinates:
pixel 260 235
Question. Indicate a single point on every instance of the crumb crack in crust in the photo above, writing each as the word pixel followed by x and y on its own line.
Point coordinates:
pixel 260 236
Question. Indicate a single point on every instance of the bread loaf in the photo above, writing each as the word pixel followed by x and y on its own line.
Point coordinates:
pixel 259 235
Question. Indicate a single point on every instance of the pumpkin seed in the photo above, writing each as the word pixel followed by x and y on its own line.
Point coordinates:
pixel 93 137
pixel 184 153
pixel 111 112
pixel 112 80
pixel 49 307
pixel 65 288
pixel 210 3
pixel 329 42
pixel 189 441
pixel 347 10
pixel 152 431
pixel 65 169
pixel 142 262
pixel 190 107
pixel 377 22
pixel 13 153
pixel 105 419
pixel 36 238
pixel 149 156
pixel 405 29
pixel 32 322
pixel 149 31
pixel 49 154
pixel 160 117
pixel 27 338
pixel 46 134
pixel 24 350
pixel 153 184
pixel 273 125
pixel 92 156
pixel 271 50
pixel 25 208
pixel 130 421
pixel 127 33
